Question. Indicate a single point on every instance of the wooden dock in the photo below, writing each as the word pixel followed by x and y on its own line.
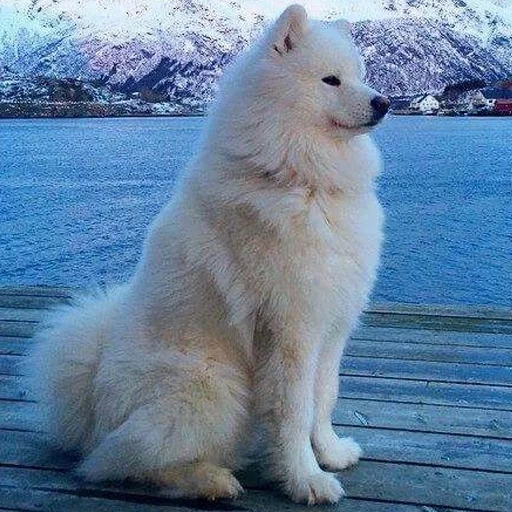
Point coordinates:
pixel 427 392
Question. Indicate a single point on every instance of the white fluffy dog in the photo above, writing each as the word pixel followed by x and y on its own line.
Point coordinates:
pixel 250 282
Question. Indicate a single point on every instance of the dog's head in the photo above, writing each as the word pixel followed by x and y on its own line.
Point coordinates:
pixel 314 75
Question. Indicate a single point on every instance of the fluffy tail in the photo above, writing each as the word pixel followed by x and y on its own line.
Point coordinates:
pixel 63 366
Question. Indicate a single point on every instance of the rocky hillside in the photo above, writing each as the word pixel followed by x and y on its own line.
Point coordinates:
pixel 408 56
pixel 175 50
pixel 44 96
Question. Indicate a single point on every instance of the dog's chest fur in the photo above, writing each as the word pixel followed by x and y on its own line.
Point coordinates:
pixel 339 239
pixel 322 254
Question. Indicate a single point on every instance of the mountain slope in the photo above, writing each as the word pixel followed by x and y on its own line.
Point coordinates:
pixel 405 56
pixel 178 48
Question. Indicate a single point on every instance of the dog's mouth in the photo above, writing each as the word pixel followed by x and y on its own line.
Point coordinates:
pixel 339 125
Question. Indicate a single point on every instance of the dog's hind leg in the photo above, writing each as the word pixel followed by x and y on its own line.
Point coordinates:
pixel 200 480
pixel 186 439
pixel 122 456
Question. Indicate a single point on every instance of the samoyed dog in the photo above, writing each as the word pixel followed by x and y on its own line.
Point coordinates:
pixel 250 282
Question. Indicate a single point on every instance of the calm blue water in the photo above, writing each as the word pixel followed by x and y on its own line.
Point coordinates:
pixel 76 197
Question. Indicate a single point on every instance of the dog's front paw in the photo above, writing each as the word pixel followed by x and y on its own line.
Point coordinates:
pixel 316 489
pixel 338 454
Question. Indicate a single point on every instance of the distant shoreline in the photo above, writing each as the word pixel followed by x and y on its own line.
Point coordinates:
pixel 97 110
pixel 176 115
pixel 86 109
pixel 486 114
pixel 114 116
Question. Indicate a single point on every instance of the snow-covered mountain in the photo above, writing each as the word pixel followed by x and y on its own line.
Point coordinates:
pixel 178 48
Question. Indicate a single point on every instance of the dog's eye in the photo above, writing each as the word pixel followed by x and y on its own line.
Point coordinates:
pixel 332 80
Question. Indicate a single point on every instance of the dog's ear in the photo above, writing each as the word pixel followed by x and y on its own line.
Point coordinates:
pixel 289 28
pixel 343 26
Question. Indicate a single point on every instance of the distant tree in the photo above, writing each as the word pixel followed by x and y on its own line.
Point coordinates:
pixel 505 84
pixel 452 91
pixel 67 90
pixel 152 96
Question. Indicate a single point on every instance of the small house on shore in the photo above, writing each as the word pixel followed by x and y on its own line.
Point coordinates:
pixel 493 100
pixel 426 104
pixel 487 101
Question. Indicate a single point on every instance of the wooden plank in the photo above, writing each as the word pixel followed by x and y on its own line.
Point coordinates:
pixel 423 392
pixel 448 323
pixel 12 345
pixel 425 336
pixel 465 318
pixel 19 416
pixel 86 501
pixel 433 487
pixel 254 500
pixel 478 311
pixel 434 353
pixel 396 334
pixel 429 371
pixel 39 297
pixel 271 501
pixel 365 348
pixel 375 367
pixel 402 322
pixel 25 448
pixel 22 315
pixel 472 311
pixel 442 450
pixel 350 412
pixel 63 501
pixel 22 448
pixel 61 492
pixel 15 346
pixel 41 290
pixel 18 329
pixel 390 322
pixel 423 418
pixel 393 485
pixel 13 388
pixel 374 388
pixel 11 365
pixel 31 301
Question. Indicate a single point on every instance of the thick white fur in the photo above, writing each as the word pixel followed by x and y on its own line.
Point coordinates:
pixel 250 281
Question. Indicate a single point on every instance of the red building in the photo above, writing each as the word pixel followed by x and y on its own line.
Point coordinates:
pixel 503 107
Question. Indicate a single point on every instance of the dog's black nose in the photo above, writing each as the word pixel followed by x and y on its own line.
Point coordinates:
pixel 380 105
